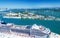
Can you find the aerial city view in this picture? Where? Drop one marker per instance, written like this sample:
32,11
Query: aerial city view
29,18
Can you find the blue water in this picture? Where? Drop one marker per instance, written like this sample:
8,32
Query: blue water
54,26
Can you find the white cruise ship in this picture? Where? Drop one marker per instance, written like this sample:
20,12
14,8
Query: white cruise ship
9,30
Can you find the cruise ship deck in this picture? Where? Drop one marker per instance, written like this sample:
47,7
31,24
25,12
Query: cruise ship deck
9,30
25,31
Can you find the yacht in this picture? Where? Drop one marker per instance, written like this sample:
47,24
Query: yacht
12,15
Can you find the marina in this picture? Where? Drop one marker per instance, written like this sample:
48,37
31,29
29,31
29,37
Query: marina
29,16
47,21
29,25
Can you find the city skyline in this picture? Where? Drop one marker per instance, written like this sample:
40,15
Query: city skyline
29,3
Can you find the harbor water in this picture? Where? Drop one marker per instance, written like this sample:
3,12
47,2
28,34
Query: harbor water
54,26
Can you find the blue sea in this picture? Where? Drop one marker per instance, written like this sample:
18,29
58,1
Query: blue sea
54,26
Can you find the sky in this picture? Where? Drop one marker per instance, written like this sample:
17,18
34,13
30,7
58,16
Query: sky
29,3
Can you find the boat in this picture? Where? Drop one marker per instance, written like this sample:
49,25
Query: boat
29,16
58,19
10,30
11,15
